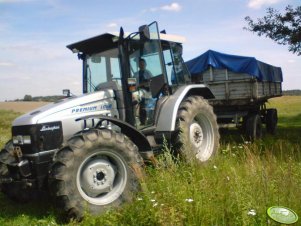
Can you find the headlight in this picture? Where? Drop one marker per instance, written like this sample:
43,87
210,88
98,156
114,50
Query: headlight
21,140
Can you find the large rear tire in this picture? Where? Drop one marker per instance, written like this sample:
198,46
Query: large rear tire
198,136
98,170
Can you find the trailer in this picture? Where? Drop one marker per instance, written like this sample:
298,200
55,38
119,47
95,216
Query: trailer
242,86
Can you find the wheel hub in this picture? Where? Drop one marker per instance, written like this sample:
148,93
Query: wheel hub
196,134
97,177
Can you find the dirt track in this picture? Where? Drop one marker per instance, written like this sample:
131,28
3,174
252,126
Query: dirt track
22,107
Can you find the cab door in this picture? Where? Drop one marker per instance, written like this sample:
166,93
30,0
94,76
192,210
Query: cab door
146,97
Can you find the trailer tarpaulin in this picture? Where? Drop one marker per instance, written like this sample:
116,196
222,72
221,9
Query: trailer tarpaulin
239,64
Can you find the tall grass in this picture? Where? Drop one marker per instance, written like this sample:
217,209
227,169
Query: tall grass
234,188
244,180
6,118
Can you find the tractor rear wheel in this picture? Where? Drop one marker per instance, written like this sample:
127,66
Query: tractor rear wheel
98,170
198,135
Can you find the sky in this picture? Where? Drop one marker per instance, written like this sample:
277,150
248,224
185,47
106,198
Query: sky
34,34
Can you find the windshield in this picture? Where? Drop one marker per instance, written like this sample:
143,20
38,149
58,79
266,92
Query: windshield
100,69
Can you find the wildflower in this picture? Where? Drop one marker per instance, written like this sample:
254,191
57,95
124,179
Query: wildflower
153,200
225,151
228,178
189,200
155,204
215,167
252,212
139,199
152,192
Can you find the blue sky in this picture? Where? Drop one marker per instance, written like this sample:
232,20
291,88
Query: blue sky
34,59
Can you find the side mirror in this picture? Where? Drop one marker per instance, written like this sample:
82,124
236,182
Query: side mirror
66,93
144,32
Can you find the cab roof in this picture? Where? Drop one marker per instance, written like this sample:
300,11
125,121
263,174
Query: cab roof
108,41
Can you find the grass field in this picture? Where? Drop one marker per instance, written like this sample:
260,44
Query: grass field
234,188
21,106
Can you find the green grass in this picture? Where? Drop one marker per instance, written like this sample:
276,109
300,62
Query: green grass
243,177
6,118
289,110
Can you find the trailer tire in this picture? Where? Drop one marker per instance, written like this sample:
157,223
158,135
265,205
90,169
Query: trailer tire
13,191
271,120
197,135
253,127
96,171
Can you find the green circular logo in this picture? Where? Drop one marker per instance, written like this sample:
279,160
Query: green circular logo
282,215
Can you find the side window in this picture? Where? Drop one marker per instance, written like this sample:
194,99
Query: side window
182,75
169,67
96,68
115,69
134,59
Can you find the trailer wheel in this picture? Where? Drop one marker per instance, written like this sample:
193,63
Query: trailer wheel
253,127
198,135
13,191
271,120
98,170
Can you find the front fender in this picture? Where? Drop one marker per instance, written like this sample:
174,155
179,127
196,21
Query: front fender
130,131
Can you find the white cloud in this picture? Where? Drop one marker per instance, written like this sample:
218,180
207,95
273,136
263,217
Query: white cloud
6,64
176,7
291,61
112,25
173,7
257,4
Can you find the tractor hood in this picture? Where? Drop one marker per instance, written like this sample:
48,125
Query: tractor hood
72,108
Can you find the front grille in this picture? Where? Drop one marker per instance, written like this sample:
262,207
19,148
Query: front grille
45,136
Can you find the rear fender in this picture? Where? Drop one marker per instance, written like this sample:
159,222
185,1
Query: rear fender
167,116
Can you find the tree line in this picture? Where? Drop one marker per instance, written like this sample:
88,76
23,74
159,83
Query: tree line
41,98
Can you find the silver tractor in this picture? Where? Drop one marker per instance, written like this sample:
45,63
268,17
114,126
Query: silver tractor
88,151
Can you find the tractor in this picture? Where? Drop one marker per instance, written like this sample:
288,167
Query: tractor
89,151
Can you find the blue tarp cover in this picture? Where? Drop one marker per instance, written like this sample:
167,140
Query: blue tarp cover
238,64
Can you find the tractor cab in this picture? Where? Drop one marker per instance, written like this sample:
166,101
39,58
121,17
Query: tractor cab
118,62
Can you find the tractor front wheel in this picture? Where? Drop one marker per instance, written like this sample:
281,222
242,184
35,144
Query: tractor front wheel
98,170
14,191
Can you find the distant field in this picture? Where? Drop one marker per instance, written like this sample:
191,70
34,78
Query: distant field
22,107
